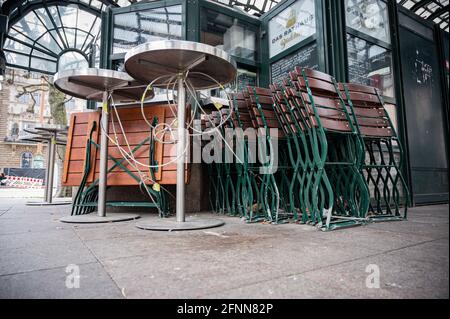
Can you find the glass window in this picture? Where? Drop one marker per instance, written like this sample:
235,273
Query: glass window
17,59
228,33
38,161
291,26
243,79
26,160
27,126
15,46
36,96
24,98
369,17
70,104
370,64
15,130
41,64
133,28
72,60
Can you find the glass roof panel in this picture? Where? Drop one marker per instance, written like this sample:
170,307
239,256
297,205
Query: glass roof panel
253,7
69,14
36,40
41,54
17,59
433,10
72,60
15,46
55,16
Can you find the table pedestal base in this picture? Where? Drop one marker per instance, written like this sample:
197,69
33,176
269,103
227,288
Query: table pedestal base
170,224
93,218
53,203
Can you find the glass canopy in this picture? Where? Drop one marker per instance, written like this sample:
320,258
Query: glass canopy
47,36
432,10
253,7
50,35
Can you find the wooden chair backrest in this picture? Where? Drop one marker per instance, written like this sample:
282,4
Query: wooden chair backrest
368,109
325,97
241,115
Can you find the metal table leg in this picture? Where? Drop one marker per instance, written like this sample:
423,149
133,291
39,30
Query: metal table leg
181,145
102,184
51,167
47,171
181,223
103,181
49,174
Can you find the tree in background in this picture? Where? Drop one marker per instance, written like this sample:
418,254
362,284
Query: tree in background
57,101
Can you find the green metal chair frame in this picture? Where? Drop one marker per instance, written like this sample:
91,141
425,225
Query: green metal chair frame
337,192
275,185
294,127
248,197
383,171
85,200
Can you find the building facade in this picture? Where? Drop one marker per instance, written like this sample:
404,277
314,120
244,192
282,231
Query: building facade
20,111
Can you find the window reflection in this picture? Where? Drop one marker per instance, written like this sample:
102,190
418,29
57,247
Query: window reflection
228,33
369,17
133,28
370,64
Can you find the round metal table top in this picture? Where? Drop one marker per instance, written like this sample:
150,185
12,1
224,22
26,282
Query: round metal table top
91,83
150,60
41,139
48,128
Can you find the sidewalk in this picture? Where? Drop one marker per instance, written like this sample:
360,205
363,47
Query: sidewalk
12,192
234,261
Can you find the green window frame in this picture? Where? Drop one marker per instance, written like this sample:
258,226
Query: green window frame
368,42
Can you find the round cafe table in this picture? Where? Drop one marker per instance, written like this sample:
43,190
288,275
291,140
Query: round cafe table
97,85
52,135
201,66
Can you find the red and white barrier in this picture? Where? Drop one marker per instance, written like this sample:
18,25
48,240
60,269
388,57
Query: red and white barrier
24,182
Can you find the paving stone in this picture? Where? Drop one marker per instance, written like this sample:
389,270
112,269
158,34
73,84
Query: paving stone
51,283
237,260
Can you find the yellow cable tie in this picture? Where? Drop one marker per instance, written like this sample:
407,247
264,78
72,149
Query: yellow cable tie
156,187
218,105
105,107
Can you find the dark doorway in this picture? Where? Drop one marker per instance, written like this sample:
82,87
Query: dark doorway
424,109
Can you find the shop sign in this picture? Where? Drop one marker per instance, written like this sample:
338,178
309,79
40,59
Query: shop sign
291,26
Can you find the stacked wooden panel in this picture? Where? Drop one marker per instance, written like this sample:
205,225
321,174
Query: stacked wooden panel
136,131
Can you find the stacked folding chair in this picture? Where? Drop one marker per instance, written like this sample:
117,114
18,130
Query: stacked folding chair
334,193
248,183
320,153
216,186
381,166
273,162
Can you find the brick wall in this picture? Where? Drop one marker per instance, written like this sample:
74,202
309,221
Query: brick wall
10,152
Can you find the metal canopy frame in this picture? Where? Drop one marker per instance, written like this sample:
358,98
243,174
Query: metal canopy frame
431,10
29,46
253,7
